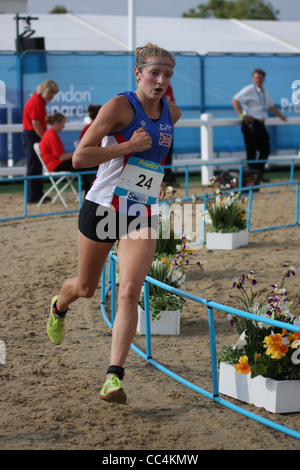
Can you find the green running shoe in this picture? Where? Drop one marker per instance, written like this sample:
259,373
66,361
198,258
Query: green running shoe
55,325
112,391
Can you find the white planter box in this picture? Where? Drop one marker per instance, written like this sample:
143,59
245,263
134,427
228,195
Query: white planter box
277,396
167,324
226,241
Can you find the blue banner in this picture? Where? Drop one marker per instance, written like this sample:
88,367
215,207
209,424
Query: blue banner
201,84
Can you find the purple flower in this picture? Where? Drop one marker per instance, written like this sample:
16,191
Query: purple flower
290,270
239,282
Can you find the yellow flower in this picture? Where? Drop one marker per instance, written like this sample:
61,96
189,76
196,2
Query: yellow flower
164,260
242,367
275,347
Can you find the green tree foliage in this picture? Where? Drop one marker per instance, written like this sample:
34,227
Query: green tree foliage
239,9
58,9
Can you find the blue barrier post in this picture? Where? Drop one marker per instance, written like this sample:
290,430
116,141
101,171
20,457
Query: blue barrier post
249,209
112,274
297,204
25,196
292,173
213,351
80,190
203,221
240,176
186,181
103,293
147,320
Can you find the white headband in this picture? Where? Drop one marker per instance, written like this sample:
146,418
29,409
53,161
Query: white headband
155,63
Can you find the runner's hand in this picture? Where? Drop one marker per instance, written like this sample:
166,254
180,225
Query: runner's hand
140,140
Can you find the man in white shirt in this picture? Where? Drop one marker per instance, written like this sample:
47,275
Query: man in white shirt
256,102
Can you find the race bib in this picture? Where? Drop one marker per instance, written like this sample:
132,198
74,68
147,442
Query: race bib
140,181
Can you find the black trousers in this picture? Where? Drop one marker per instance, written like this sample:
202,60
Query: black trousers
257,142
33,166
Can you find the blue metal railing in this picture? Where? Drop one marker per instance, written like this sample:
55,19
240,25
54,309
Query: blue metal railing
205,197
211,305
187,168
241,164
25,179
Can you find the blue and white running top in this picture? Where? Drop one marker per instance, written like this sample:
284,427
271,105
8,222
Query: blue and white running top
134,178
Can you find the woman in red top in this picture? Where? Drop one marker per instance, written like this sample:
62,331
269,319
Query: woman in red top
34,127
53,152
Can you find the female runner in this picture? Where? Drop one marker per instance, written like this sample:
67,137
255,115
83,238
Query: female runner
135,131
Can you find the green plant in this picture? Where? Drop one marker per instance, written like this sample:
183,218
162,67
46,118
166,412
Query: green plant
166,271
226,213
166,301
264,349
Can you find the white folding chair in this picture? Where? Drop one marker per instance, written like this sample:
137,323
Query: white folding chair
54,181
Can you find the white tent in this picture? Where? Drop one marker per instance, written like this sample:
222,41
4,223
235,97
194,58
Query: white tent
69,32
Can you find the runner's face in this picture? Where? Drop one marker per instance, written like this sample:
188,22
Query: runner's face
155,78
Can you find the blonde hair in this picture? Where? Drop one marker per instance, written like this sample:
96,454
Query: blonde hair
55,117
45,87
143,54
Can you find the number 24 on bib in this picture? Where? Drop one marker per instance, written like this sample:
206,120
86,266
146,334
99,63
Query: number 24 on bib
140,181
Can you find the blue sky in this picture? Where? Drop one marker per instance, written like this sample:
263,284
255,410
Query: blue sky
289,9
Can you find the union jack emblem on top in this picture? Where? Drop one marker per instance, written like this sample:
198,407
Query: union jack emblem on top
165,139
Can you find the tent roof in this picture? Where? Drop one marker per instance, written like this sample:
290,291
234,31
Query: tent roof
69,32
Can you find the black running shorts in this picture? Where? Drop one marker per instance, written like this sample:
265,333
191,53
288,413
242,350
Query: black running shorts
103,224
